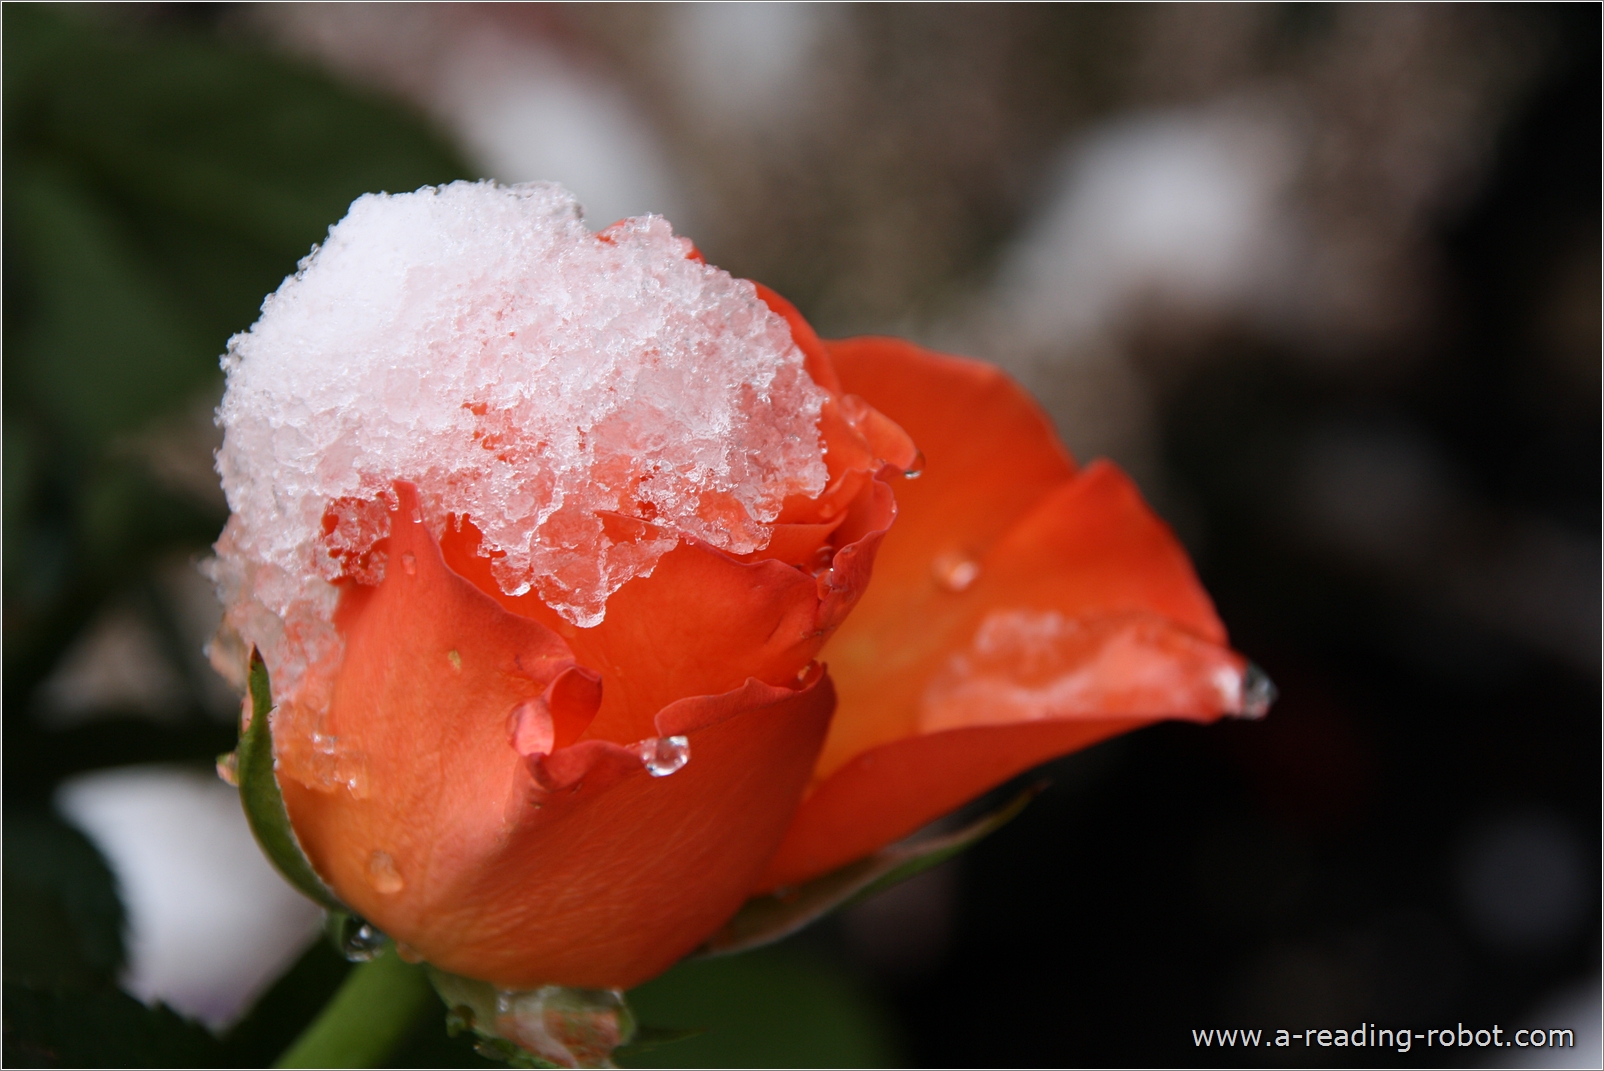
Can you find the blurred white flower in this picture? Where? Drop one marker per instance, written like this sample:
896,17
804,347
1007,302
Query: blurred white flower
210,924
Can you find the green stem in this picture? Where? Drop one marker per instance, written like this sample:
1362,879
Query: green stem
369,1014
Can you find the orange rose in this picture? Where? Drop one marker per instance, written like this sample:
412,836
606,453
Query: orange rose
524,801
516,821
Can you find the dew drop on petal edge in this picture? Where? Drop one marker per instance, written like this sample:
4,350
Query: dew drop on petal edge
917,469
1258,693
228,767
383,875
360,940
664,755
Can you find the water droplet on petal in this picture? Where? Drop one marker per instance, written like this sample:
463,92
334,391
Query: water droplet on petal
917,469
822,561
532,728
409,564
360,940
955,571
351,770
663,755
1258,693
383,875
853,408
228,767
455,658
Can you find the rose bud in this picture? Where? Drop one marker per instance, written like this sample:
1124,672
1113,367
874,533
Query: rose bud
539,532
546,538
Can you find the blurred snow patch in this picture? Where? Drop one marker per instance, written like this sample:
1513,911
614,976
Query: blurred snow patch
1575,1008
210,922
1184,206
528,114
745,63
1180,211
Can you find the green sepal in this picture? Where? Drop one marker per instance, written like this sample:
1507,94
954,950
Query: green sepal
264,803
765,919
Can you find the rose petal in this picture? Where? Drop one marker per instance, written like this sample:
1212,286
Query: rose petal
872,438
1026,665
990,452
890,791
703,622
1094,545
991,458
999,524
419,728
815,352
610,881
576,867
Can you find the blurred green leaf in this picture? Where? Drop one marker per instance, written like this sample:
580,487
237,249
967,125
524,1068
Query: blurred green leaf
779,1007
103,347
103,1028
156,188
647,1038
63,920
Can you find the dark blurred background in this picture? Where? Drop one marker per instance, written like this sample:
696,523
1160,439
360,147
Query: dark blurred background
1326,279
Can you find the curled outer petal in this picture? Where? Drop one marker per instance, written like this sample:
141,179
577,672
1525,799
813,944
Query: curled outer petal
611,875
701,624
493,858
1021,609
